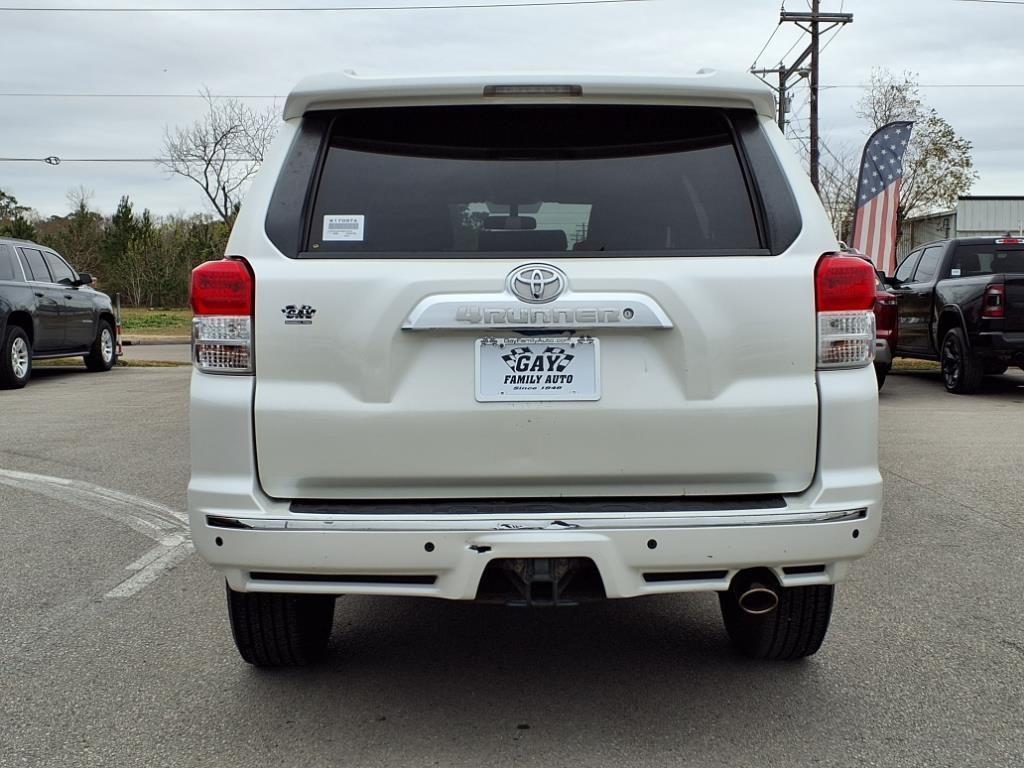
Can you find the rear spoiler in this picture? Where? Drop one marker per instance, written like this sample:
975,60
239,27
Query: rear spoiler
705,88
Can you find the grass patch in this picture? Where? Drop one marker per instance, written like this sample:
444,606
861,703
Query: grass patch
60,362
76,362
156,322
123,363
910,364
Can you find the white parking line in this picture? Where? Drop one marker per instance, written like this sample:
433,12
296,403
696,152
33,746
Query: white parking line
151,566
167,527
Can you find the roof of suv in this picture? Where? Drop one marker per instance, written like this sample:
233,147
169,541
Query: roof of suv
705,87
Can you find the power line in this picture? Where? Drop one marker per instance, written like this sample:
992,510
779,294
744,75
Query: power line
814,22
279,9
829,42
936,85
50,95
54,160
794,45
766,44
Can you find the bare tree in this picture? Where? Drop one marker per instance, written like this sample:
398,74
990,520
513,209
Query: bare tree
837,186
222,151
937,167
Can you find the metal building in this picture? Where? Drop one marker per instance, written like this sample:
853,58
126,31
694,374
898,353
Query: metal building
972,217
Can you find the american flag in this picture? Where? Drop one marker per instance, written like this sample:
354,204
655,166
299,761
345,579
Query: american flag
878,194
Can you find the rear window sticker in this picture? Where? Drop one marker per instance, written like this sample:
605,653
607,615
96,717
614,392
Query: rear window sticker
343,227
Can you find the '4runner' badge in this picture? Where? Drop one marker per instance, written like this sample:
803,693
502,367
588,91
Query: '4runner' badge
298,315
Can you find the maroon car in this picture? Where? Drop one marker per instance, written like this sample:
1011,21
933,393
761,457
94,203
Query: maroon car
887,328
887,320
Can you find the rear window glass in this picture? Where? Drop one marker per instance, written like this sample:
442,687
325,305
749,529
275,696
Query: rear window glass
36,266
8,271
970,260
500,179
929,263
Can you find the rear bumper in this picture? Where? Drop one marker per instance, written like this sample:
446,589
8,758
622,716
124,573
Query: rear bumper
449,563
883,352
260,544
1004,345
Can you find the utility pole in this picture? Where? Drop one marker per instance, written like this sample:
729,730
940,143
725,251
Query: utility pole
782,90
815,52
811,24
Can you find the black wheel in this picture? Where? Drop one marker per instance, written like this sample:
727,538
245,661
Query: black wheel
103,354
795,629
15,359
277,630
995,368
881,371
961,370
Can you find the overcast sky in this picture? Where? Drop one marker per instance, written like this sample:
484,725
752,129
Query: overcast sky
947,42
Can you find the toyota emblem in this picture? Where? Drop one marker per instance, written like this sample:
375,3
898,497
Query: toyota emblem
537,283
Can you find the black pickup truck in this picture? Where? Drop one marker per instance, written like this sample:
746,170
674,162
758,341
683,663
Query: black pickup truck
47,309
961,302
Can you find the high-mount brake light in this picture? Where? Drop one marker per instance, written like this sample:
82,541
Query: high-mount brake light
533,90
993,304
844,288
222,299
1009,241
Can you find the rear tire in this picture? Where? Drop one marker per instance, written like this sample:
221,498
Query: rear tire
280,630
103,353
15,358
962,372
794,630
881,371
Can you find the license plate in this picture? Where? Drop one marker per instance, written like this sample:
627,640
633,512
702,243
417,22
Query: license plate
550,368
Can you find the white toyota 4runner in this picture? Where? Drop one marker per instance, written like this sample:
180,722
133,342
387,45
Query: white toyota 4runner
537,341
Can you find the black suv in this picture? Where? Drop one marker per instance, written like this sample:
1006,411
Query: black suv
47,309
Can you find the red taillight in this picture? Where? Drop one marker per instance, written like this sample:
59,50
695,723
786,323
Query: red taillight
993,305
844,283
222,287
844,289
222,303
1009,241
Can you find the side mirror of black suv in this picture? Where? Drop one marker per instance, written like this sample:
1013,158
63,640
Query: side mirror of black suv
84,278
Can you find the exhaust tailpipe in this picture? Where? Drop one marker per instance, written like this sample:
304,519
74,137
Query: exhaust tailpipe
758,599
756,591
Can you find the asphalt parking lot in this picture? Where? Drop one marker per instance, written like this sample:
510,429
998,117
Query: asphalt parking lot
106,660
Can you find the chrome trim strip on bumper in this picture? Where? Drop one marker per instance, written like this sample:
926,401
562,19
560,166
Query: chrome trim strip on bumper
534,524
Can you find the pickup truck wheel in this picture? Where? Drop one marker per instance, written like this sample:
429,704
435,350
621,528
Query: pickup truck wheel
795,629
961,370
280,630
103,353
15,359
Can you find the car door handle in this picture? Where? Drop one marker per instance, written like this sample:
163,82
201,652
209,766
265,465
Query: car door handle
68,296
40,294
